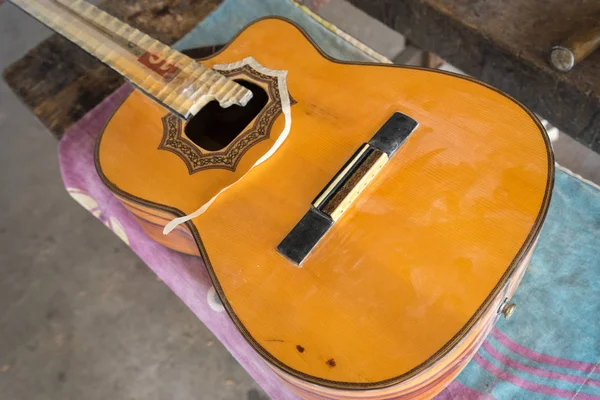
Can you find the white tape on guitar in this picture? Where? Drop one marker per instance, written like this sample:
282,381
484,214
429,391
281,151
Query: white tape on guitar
285,108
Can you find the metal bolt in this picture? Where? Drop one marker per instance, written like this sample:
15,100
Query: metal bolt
508,309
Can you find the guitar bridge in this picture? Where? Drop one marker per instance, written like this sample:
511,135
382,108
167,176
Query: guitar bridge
339,194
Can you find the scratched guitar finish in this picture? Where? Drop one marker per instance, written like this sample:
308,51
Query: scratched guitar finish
405,258
397,293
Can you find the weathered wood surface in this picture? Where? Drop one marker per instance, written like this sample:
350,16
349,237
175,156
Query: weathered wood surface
61,83
507,44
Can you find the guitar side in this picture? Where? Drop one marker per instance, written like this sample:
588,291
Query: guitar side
415,270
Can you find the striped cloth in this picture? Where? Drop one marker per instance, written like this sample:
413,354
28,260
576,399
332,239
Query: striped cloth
549,349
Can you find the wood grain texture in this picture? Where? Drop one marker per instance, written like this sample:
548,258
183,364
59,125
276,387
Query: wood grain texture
507,44
61,82
430,382
419,263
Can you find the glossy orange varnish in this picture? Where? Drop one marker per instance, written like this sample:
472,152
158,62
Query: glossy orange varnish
430,381
408,266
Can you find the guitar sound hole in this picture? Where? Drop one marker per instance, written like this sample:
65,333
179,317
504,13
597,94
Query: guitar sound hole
213,127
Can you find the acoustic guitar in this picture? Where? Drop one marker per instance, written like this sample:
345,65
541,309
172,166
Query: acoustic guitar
364,225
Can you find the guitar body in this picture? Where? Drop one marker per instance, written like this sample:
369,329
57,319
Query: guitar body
400,292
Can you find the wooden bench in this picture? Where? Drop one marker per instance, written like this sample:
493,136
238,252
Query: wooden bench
507,44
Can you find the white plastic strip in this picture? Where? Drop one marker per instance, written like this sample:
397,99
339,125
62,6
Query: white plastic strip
285,108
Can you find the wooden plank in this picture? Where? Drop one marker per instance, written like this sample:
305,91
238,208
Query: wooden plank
61,83
507,45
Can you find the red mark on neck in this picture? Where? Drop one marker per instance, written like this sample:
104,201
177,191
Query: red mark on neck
159,65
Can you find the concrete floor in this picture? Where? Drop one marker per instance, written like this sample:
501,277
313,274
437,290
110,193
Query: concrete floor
81,316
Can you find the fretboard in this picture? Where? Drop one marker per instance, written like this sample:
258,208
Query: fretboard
175,80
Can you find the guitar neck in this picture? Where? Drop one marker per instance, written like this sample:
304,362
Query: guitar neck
177,81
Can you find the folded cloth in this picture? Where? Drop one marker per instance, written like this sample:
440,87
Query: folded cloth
549,349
